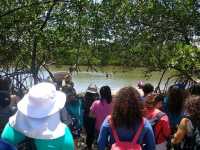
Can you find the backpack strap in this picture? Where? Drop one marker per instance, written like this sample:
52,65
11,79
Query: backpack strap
157,117
139,131
27,144
113,129
115,132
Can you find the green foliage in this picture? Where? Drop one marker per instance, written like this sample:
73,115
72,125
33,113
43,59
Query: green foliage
156,34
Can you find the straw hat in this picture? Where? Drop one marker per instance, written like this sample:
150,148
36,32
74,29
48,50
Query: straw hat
41,101
92,89
195,79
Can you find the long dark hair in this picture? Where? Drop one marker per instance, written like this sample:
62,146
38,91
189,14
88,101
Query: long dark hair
105,93
175,100
89,98
4,99
5,84
128,108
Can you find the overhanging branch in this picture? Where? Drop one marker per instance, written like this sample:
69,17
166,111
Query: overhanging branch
19,8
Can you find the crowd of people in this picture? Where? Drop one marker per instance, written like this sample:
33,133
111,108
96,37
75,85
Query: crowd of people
49,118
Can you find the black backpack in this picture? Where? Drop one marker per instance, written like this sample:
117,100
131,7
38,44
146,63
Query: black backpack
154,121
73,126
27,144
192,142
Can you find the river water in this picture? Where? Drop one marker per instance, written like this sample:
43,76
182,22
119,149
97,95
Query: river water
130,78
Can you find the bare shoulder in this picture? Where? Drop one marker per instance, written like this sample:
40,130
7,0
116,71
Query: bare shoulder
183,124
15,97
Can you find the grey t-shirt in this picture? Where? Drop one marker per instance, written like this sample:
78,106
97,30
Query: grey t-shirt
5,114
64,116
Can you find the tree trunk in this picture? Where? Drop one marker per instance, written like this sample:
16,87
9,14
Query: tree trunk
33,61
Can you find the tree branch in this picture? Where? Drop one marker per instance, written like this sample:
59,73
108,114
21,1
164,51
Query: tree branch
187,40
11,11
47,17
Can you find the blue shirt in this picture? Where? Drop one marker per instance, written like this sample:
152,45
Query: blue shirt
4,145
172,119
124,134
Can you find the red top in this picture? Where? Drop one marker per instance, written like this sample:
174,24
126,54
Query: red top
163,123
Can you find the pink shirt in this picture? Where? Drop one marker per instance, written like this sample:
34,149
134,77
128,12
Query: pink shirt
101,112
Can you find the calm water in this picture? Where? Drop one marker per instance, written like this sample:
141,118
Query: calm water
84,79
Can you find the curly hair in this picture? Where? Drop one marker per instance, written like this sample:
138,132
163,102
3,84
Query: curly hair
147,88
192,107
175,100
150,100
128,108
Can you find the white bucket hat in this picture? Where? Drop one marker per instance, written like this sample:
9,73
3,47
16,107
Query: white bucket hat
38,113
49,127
42,100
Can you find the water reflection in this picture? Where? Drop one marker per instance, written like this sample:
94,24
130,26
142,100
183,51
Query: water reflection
84,79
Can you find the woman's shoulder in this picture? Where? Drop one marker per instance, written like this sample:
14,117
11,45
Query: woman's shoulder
151,112
9,134
106,123
64,142
189,123
147,125
97,102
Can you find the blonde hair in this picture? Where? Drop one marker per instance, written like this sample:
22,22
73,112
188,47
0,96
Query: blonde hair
150,100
